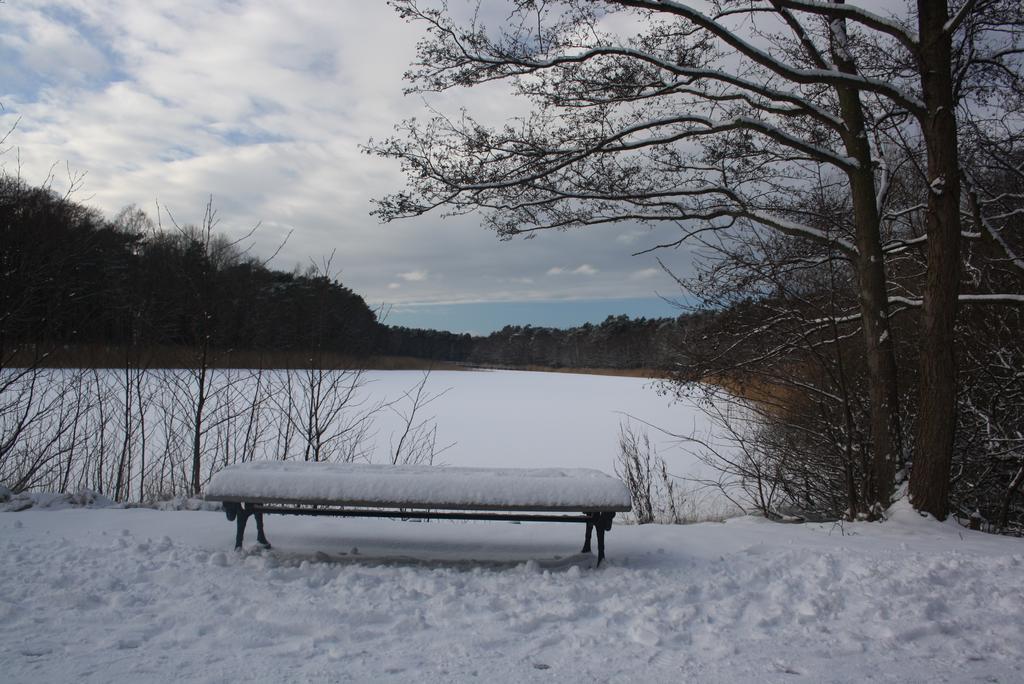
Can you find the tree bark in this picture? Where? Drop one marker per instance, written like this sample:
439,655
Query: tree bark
936,425
1004,506
199,415
883,387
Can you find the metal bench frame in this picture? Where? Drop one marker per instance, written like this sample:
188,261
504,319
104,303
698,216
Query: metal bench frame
594,520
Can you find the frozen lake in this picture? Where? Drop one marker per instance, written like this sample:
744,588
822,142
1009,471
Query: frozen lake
529,419
474,418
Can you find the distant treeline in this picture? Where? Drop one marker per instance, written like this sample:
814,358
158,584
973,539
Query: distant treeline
71,277
618,342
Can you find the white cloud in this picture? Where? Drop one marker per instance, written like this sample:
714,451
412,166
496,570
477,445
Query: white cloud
49,50
265,107
584,269
645,274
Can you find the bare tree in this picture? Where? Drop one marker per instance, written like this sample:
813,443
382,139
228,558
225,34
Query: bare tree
212,253
658,127
330,415
416,442
707,119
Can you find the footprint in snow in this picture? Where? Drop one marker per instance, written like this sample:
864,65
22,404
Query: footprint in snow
644,635
784,668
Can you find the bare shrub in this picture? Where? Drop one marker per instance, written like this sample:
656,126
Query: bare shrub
416,442
657,495
634,468
323,415
131,433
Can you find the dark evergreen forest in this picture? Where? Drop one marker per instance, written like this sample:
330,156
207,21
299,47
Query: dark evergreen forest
72,278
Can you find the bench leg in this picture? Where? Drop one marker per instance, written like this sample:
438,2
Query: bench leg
586,542
603,523
260,537
240,520
243,512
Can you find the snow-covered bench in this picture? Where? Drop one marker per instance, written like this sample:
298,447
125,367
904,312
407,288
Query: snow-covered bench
420,492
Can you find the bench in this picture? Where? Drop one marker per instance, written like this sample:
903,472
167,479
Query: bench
257,488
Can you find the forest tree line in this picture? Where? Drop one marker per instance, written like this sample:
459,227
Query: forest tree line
618,342
71,277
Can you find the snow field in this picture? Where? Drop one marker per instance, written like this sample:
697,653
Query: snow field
104,594
99,595
522,419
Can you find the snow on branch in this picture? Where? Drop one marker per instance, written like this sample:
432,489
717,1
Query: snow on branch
728,35
525,66
875,22
1007,298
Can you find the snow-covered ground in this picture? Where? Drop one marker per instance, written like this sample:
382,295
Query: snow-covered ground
137,595
140,595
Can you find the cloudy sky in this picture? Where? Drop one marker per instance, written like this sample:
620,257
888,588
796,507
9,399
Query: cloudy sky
264,106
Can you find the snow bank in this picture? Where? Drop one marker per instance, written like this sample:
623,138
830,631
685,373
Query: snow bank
184,503
360,484
14,503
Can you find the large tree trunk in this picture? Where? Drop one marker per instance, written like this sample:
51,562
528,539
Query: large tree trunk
933,453
883,388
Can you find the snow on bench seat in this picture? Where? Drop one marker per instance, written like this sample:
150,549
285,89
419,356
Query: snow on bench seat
404,486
